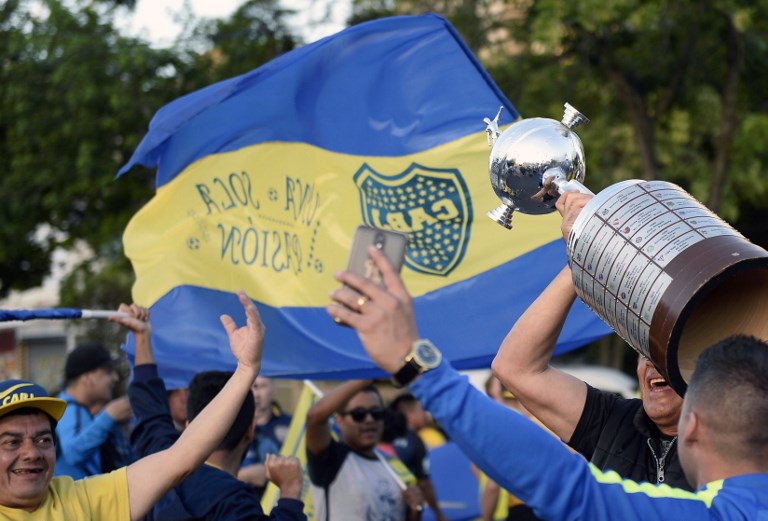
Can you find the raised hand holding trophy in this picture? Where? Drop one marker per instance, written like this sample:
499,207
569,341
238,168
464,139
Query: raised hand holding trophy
667,274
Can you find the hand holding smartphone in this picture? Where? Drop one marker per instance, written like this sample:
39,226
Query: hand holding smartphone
392,244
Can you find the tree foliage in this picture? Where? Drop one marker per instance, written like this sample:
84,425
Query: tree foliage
674,88
76,98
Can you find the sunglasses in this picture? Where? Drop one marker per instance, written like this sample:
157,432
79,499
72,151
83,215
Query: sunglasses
358,414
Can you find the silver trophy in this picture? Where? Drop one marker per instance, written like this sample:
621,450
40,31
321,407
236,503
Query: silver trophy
534,161
667,274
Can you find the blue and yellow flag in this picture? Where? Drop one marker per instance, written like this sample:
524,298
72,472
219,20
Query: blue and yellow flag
263,178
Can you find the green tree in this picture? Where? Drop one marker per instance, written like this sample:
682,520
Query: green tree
76,99
255,33
671,88
674,88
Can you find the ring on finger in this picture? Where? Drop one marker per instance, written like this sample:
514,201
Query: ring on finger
361,302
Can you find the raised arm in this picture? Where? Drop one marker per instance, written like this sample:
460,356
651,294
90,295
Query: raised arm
318,430
151,477
522,363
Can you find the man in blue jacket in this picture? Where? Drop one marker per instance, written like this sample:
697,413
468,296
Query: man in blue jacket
90,433
722,439
213,491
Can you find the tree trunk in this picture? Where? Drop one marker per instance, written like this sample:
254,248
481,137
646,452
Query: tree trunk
642,124
735,59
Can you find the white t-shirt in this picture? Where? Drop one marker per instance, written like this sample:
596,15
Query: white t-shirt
360,488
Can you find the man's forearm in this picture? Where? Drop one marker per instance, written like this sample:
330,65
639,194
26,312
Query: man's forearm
430,497
143,349
522,364
207,430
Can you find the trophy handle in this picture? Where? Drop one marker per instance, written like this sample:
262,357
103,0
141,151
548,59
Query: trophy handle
572,185
555,178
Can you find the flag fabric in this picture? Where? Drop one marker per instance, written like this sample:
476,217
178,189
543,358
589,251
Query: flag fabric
263,178
455,483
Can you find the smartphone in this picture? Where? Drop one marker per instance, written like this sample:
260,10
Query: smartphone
392,244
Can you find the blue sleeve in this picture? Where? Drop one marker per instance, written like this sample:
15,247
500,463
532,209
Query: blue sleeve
288,510
81,446
242,506
154,430
537,467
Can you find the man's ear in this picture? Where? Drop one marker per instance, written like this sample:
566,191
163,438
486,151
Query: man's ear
692,432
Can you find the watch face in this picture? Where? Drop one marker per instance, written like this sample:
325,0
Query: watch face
427,354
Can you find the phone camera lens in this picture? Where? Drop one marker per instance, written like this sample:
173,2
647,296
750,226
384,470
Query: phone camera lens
378,241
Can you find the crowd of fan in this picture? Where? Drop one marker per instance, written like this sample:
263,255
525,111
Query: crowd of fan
560,448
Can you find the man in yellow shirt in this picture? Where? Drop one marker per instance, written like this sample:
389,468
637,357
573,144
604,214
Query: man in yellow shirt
28,418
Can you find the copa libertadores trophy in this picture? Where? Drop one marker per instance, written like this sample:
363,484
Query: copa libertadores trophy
667,274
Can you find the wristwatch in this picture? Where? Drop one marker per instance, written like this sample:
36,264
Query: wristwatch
423,357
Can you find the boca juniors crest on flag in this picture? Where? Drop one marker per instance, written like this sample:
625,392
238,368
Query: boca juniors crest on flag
431,205
263,178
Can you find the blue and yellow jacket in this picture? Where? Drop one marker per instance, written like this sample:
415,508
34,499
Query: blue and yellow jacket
560,485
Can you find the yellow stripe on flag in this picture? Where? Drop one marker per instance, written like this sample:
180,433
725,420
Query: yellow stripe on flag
251,219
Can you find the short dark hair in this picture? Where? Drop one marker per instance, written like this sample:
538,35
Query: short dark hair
731,381
395,425
370,388
403,401
85,358
203,388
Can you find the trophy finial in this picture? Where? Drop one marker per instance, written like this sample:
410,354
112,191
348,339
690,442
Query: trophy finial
572,118
492,128
503,215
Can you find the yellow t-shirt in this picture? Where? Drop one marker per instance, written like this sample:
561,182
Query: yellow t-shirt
101,497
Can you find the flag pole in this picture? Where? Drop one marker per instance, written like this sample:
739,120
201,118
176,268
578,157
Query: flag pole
8,315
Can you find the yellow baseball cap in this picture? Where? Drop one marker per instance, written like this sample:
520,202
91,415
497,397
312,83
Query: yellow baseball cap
19,394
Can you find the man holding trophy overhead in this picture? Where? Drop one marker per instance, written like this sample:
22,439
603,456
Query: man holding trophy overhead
641,256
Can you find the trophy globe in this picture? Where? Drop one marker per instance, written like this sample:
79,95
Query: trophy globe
533,161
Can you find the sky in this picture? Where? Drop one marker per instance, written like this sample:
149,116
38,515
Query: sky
154,19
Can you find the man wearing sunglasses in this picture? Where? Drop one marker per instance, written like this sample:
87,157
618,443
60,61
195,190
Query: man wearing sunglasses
348,480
